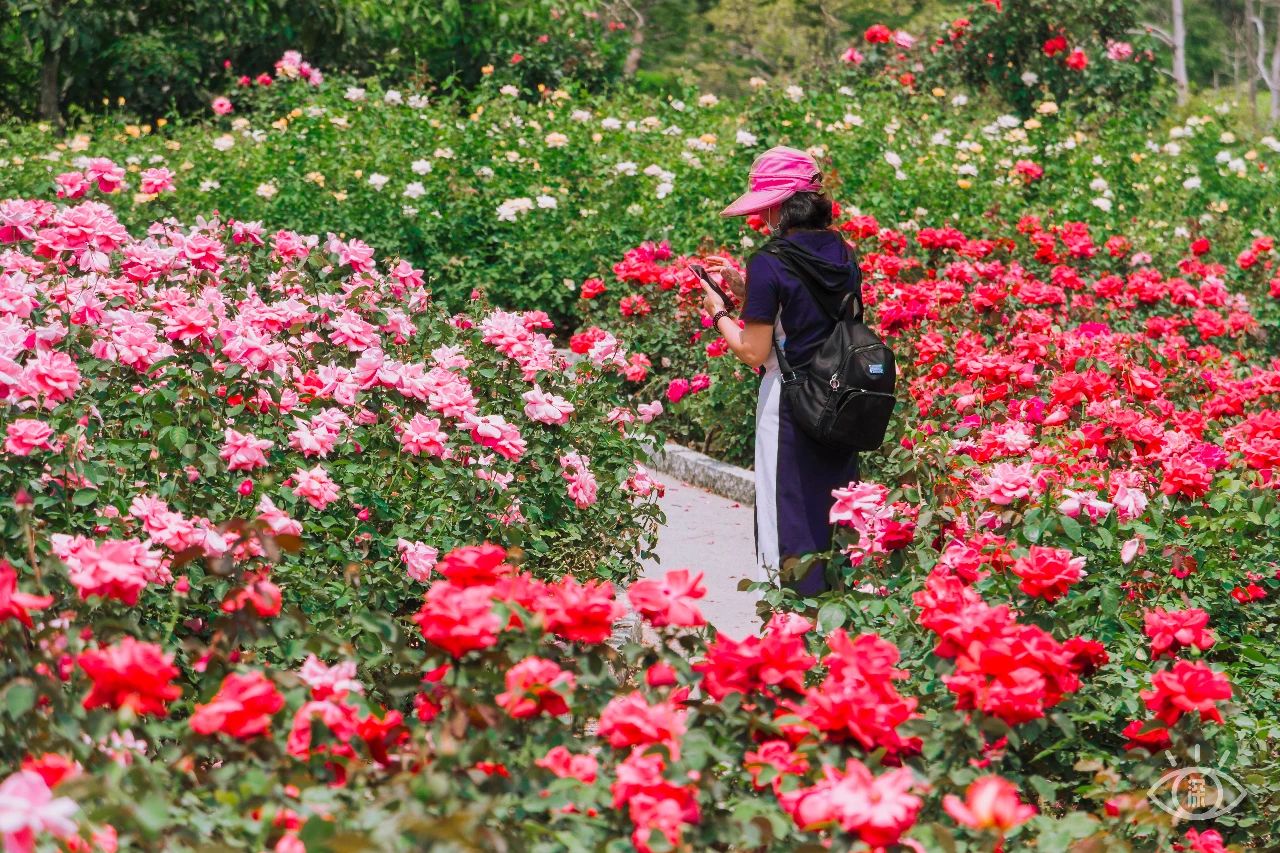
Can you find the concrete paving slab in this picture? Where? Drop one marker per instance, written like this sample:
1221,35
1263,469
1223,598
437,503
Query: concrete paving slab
714,535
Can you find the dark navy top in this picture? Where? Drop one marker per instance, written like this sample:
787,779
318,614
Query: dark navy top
770,286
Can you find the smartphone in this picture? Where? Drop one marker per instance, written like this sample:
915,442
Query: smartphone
701,273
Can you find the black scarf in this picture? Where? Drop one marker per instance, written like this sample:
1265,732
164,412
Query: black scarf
828,282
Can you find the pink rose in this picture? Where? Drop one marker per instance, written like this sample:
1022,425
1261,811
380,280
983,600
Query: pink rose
24,437
156,180
244,451
315,486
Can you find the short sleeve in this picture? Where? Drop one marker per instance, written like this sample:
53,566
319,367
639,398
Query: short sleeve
762,289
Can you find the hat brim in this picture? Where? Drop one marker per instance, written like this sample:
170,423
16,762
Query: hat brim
755,201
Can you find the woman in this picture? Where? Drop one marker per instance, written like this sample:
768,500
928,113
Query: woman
794,475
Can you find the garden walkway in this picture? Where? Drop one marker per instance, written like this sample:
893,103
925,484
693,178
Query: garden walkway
707,533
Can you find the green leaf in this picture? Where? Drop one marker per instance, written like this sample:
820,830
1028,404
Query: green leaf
19,698
84,497
1047,791
831,616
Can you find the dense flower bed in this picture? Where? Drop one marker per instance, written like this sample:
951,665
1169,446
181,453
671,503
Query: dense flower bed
1081,483
1064,584
184,409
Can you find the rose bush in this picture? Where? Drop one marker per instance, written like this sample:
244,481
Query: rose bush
1081,480
181,406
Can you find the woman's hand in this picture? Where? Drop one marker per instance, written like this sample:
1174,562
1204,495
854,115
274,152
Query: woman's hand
729,275
711,301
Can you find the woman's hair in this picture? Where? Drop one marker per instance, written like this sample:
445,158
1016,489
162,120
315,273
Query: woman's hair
805,210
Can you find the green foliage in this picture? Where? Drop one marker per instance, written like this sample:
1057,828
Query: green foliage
1002,47
165,55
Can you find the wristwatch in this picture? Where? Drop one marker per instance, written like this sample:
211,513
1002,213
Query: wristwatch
715,320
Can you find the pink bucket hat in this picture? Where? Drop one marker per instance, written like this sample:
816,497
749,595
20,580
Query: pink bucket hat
776,175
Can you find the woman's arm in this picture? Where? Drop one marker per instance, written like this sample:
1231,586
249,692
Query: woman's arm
750,344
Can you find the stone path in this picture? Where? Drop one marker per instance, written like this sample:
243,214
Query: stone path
708,533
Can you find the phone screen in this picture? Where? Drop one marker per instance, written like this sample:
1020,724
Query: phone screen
701,273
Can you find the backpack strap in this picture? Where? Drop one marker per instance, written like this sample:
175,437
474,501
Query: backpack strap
789,373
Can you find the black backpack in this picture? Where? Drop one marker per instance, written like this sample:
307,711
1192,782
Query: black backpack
843,397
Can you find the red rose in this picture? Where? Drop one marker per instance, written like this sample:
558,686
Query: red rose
536,686
878,34
1048,572
242,707
458,619
474,565
132,675
1055,45
1187,687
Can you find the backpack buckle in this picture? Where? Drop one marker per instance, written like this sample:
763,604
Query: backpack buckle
790,378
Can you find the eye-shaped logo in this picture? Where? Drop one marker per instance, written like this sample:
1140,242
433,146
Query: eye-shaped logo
1196,793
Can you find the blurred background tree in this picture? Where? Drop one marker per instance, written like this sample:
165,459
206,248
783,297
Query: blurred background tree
170,55
161,56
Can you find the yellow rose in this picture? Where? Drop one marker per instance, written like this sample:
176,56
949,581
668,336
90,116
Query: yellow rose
939,92
964,183
486,70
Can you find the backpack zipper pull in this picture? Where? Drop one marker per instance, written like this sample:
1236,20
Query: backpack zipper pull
835,382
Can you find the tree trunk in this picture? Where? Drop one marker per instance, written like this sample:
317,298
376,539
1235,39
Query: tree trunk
1235,65
1180,53
51,84
1274,113
632,64
1252,48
